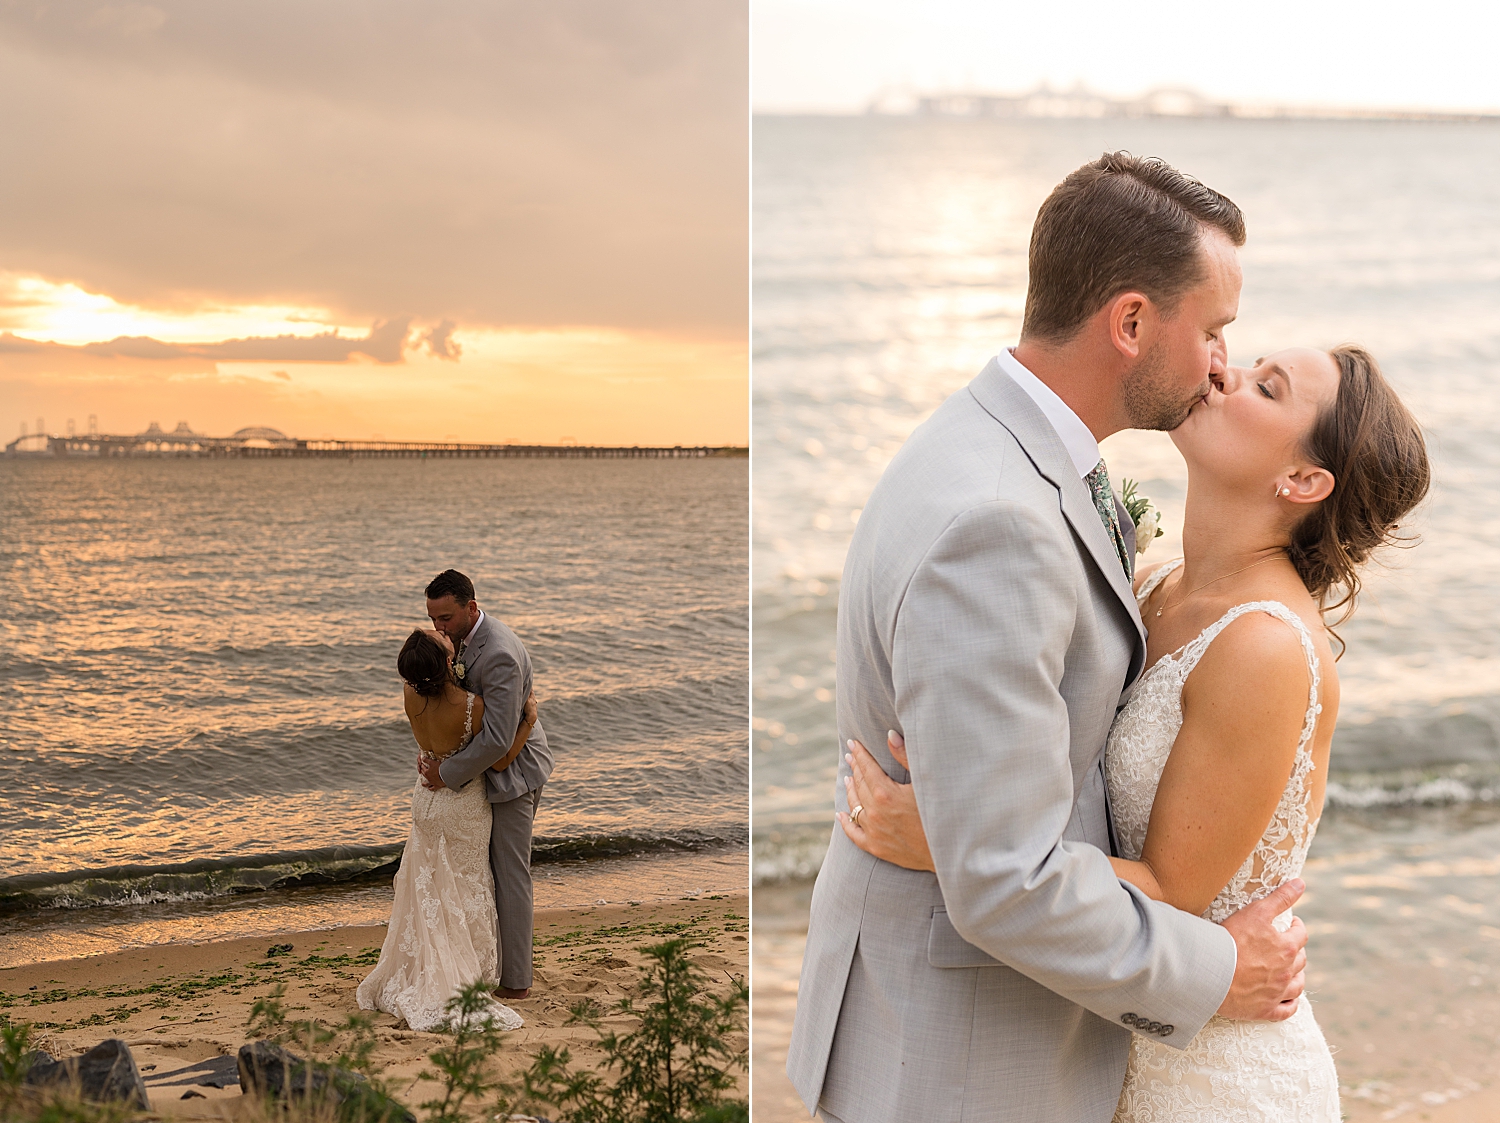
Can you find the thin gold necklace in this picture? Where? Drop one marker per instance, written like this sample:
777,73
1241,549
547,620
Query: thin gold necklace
1206,584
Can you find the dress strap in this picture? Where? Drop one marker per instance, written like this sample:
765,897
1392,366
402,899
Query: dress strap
468,715
1193,652
1149,585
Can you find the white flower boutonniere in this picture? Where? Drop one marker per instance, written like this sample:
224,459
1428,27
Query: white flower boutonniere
1143,513
458,671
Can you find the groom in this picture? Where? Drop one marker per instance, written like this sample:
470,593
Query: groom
986,614
490,661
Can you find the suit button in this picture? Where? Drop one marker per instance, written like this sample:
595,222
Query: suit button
1153,1027
1129,1019
1168,1030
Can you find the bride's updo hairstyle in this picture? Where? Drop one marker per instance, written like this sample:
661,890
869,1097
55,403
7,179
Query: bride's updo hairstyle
1374,448
423,663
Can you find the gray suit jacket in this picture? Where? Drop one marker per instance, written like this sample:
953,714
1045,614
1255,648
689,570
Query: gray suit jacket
984,614
497,668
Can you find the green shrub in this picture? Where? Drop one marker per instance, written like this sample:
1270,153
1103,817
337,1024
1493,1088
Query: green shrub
673,1068
460,1064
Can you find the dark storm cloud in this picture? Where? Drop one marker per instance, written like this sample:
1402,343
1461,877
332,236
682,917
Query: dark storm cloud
567,162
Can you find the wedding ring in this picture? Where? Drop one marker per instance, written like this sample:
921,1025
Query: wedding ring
854,815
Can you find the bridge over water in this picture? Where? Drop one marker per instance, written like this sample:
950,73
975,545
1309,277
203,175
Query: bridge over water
268,443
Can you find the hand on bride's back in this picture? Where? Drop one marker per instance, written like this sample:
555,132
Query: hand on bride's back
1270,971
889,825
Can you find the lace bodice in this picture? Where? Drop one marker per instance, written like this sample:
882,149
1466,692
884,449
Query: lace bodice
1142,738
468,721
1231,1072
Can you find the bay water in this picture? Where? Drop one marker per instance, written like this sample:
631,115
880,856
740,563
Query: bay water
890,264
202,730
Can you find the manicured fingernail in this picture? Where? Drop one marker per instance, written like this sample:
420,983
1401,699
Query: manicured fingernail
849,744
848,758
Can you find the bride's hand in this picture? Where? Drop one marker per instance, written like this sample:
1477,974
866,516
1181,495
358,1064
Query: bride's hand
889,826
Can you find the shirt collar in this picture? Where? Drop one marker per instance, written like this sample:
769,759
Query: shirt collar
477,625
1083,450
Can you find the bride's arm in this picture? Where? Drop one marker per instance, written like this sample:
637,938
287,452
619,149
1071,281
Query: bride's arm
1243,708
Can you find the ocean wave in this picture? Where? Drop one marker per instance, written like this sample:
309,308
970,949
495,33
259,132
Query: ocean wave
795,853
206,878
1402,792
196,880
783,856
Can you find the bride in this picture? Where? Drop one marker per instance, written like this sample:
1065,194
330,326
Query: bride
1298,469
443,933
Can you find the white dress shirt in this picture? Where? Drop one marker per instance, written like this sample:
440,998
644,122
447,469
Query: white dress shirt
458,656
1083,450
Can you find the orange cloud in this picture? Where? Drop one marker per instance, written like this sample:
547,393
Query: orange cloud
596,386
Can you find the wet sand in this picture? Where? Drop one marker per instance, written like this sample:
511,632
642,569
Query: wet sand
1413,1040
178,1005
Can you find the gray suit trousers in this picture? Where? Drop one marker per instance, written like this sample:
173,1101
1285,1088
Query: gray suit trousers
510,862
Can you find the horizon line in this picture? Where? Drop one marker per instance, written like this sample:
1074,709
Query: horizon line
1044,101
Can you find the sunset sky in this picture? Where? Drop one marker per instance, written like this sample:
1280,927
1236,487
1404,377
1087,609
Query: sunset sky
478,220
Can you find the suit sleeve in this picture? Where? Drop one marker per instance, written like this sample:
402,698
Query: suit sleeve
977,662
503,688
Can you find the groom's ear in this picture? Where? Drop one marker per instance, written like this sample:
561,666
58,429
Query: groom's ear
1127,319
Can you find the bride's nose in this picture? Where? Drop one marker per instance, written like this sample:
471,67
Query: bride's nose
1232,379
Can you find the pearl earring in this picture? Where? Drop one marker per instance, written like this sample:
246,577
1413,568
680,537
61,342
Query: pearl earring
1284,491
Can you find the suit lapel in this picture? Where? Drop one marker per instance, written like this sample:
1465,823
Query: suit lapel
472,647
1013,408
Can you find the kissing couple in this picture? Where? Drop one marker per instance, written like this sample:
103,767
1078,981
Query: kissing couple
1061,883
463,907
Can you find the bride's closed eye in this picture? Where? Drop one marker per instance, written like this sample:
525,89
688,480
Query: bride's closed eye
1265,389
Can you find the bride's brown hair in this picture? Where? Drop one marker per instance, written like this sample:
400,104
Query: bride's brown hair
423,663
1374,448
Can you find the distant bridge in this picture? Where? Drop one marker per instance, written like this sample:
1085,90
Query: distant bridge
184,443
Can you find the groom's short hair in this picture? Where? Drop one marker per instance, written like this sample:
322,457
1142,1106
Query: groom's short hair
1120,223
451,583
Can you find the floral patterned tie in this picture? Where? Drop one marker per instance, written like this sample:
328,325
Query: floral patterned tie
1104,503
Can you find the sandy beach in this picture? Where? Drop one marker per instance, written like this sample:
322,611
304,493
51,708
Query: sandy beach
178,1005
1418,1043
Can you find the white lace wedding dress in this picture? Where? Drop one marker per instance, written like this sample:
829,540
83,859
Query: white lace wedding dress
443,931
1232,1072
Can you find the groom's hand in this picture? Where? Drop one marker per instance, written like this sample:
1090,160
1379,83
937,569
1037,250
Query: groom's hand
1269,975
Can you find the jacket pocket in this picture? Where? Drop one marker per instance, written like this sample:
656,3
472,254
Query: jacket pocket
946,948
